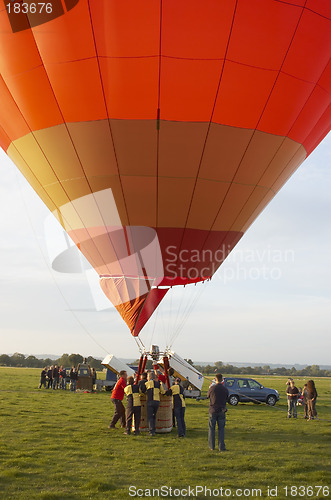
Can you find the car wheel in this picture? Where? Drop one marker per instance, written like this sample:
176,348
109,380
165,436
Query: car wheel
271,400
233,400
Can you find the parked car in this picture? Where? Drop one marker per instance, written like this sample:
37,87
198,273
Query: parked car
247,390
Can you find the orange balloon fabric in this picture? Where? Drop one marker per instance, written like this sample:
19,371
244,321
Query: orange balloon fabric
156,131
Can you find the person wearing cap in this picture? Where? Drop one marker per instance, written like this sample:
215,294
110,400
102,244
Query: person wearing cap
153,389
133,407
178,401
117,397
218,395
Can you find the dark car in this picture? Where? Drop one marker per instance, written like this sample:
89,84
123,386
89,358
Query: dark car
247,390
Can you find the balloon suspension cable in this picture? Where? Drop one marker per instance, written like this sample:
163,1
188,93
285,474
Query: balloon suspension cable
140,345
186,311
37,239
155,321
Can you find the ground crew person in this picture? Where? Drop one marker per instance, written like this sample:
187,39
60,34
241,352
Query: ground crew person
117,397
153,390
177,393
133,407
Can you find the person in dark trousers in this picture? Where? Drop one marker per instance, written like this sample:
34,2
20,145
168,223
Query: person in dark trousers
218,395
50,377
177,392
63,378
292,393
305,401
43,376
94,377
171,377
73,375
117,397
55,377
311,400
133,407
153,389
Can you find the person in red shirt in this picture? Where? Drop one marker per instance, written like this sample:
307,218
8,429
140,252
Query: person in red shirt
117,397
158,374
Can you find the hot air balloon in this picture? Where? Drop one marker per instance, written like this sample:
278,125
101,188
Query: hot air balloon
156,131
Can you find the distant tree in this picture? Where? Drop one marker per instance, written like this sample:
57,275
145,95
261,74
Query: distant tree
95,363
75,359
64,360
18,359
219,365
281,371
149,364
315,370
5,360
305,371
47,362
266,368
230,369
246,370
33,362
257,370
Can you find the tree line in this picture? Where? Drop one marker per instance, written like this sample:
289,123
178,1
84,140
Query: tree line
308,371
66,360
20,360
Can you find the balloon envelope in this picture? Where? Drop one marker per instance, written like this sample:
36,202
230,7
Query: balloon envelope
157,131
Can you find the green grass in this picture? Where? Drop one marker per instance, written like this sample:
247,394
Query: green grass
56,445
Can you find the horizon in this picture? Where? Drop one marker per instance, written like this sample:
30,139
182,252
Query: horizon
195,362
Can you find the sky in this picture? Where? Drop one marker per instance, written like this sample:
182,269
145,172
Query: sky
270,302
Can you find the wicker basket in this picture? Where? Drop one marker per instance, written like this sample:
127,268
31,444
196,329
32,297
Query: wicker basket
163,416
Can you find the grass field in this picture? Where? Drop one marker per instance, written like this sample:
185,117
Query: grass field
56,445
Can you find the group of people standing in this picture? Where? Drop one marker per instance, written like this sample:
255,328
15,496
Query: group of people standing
306,397
151,384
55,377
